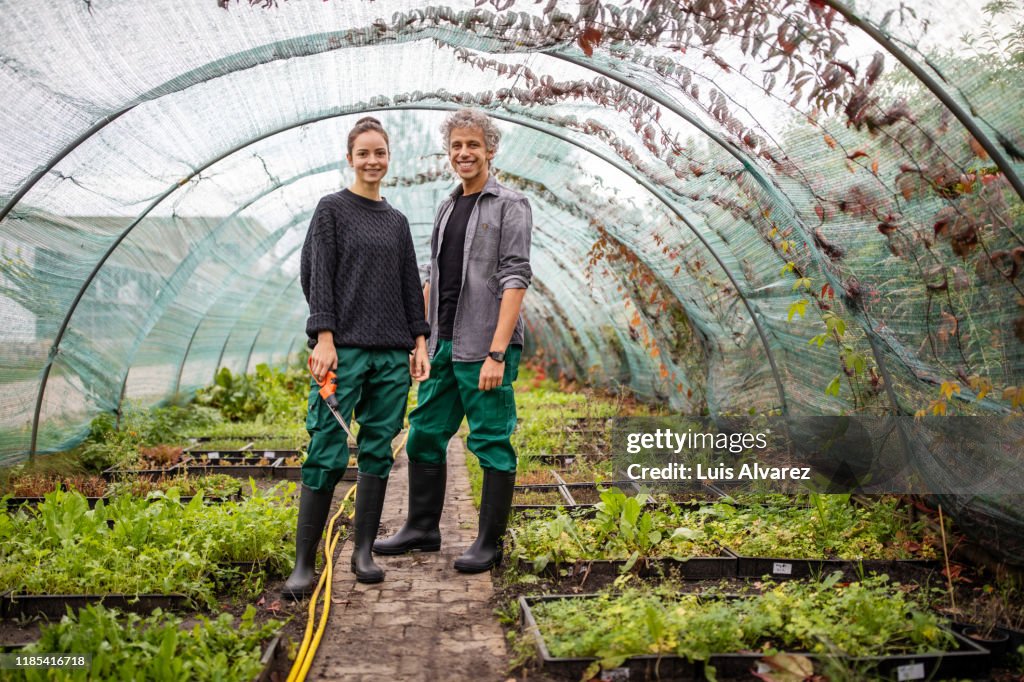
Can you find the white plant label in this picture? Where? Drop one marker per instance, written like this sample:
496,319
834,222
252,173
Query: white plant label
912,671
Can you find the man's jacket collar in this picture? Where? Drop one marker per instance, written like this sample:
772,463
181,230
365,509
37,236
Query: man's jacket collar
491,187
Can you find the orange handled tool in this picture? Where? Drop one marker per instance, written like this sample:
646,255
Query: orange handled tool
328,385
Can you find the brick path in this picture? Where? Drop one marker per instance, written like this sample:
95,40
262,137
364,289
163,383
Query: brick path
426,621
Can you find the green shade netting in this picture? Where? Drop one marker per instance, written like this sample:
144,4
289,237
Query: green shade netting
772,206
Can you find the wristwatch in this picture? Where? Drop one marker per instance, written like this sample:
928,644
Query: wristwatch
497,356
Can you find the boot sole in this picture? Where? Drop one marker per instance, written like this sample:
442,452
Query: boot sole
406,550
296,596
369,581
476,568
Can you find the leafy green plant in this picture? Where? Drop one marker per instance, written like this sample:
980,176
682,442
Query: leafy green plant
623,529
210,485
237,396
830,528
133,546
127,646
867,618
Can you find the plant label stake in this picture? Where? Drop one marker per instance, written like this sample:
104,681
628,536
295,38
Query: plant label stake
328,385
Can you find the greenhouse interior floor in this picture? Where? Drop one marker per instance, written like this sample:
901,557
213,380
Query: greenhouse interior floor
425,621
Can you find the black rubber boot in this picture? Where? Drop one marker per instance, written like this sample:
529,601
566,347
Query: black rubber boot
495,505
314,507
421,530
369,502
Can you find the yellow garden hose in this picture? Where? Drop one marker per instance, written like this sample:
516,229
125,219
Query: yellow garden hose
311,641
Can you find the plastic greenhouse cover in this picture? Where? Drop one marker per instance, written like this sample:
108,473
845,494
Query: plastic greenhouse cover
769,206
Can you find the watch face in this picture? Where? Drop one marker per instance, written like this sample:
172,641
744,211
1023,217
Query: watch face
497,356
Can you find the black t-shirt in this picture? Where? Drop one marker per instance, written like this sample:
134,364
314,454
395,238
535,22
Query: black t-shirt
449,263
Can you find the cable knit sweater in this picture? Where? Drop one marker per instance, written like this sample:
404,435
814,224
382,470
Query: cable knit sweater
359,275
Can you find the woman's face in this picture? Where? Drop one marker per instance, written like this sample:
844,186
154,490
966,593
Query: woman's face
369,157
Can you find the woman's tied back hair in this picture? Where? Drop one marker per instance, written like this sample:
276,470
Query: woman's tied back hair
472,118
366,123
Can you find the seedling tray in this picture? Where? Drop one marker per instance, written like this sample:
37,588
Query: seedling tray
551,489
694,568
560,460
13,503
54,606
587,494
268,453
294,473
243,568
783,568
113,474
239,466
212,500
967,661
267,660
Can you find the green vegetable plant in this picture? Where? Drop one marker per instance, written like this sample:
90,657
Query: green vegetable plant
210,486
133,546
237,396
867,618
830,528
126,646
623,529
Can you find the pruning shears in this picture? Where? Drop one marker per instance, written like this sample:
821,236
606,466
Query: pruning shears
328,385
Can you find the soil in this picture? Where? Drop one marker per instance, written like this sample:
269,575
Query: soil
535,477
538,497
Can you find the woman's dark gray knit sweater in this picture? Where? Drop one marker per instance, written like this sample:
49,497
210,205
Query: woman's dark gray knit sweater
359,275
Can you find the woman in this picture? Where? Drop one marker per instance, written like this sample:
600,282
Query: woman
366,314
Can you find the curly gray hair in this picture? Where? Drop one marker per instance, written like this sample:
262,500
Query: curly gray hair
471,118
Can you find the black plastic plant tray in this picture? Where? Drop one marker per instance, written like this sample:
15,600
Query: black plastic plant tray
781,568
267,660
539,488
288,473
245,566
230,456
259,453
250,567
54,606
237,467
560,460
219,499
294,473
117,474
967,661
1003,651
694,568
633,668
13,503
628,488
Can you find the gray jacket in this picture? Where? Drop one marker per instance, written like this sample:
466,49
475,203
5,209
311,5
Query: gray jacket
496,257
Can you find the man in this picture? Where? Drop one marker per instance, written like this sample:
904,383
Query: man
478,274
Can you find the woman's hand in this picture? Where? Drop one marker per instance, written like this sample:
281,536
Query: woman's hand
324,356
419,362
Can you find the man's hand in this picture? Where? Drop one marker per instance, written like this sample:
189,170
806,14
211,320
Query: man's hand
419,364
491,374
323,358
